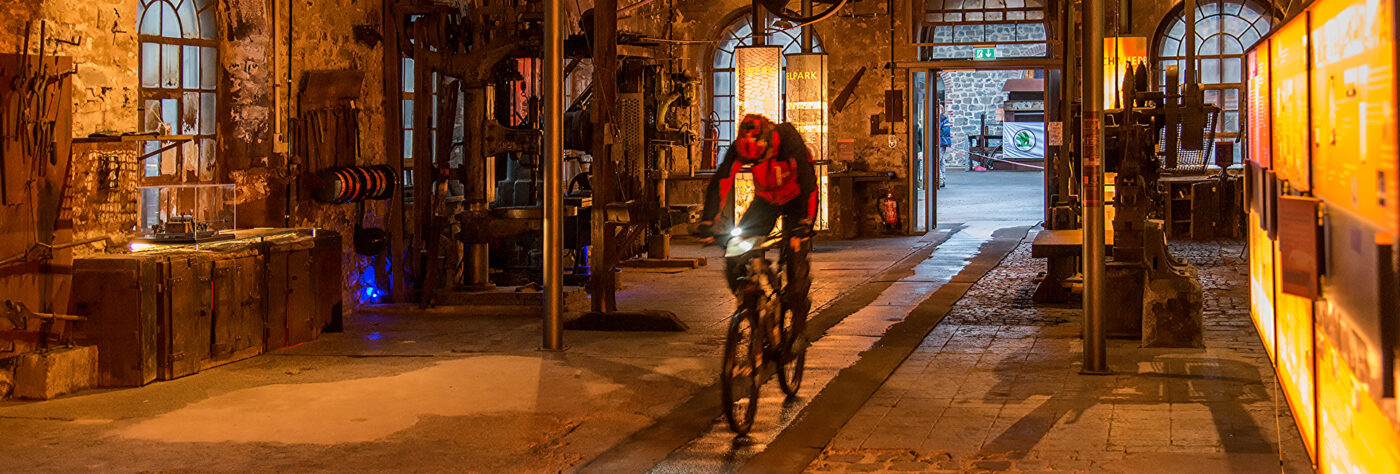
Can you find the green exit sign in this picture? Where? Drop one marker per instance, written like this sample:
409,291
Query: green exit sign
984,52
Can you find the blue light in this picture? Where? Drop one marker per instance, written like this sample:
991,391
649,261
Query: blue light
374,336
369,292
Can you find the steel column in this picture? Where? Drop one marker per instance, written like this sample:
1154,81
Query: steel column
553,176
1092,151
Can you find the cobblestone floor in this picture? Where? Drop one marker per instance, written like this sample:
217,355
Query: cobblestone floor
995,388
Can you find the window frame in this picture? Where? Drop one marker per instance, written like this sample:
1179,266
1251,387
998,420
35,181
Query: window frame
735,33
203,43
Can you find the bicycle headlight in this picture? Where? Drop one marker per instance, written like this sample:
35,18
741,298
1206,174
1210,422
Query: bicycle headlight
746,245
736,232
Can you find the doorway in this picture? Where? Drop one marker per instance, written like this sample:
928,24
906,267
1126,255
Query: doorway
978,145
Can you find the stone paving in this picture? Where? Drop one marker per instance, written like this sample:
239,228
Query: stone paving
995,388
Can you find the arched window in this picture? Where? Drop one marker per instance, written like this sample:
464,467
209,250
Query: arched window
723,86
179,81
1224,28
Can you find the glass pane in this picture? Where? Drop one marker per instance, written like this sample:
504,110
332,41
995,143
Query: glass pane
1232,99
724,83
408,143
1233,71
1210,45
169,22
1213,97
170,66
150,21
151,166
189,114
1170,47
408,114
208,28
724,108
1178,29
208,67
724,59
1232,122
190,67
207,164
1210,71
170,114
207,113
150,121
407,75
188,23
150,65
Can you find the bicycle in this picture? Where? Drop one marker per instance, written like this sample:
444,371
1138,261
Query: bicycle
765,331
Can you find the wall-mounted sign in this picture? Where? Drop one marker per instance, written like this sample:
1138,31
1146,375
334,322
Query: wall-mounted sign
984,52
1055,133
1298,245
807,100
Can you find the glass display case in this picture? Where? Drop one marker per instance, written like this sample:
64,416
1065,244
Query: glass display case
185,213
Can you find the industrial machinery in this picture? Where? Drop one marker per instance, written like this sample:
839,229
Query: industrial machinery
1155,295
474,190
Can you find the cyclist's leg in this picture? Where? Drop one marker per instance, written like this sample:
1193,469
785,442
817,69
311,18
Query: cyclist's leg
758,219
799,276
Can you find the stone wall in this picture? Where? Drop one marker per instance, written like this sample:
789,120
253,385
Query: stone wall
969,95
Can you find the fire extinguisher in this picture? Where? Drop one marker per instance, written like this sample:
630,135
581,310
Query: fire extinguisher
889,209
709,150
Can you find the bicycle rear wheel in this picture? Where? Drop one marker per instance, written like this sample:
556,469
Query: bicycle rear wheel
738,376
792,353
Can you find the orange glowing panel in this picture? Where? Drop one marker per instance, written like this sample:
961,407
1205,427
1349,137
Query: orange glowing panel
1261,283
1118,53
1295,359
757,81
807,100
1289,64
1353,110
1357,434
1257,85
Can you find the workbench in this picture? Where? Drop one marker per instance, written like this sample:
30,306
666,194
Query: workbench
1061,249
166,311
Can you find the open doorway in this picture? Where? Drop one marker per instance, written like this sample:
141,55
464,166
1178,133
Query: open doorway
980,145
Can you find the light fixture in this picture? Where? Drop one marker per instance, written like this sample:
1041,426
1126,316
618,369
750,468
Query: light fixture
757,86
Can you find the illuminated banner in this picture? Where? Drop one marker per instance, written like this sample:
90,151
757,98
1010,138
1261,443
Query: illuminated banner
1118,53
807,99
1023,140
756,77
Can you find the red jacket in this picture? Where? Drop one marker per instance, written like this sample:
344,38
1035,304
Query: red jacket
785,177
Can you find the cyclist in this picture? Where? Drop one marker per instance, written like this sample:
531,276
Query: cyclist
785,184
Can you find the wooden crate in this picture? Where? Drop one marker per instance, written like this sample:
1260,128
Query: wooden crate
119,296
237,325
187,318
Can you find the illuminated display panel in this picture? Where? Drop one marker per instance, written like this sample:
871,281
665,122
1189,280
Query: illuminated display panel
1353,109
1257,85
807,100
757,76
1289,66
1261,283
1118,53
1357,434
1295,358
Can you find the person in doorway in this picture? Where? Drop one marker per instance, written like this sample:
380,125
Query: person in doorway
945,140
785,185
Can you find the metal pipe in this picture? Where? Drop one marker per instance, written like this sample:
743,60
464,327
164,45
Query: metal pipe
1091,151
806,29
553,176
933,148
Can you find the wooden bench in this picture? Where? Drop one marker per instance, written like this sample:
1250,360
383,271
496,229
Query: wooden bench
1062,249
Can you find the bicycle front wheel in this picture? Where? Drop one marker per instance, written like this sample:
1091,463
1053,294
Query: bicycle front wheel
738,376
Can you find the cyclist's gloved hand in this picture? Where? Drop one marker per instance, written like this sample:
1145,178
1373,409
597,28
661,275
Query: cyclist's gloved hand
705,230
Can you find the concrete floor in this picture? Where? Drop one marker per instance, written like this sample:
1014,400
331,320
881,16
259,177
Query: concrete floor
891,384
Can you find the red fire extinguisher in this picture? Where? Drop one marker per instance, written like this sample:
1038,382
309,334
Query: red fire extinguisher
889,209
709,148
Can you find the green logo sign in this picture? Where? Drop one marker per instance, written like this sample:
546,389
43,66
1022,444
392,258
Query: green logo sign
988,52
1024,140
